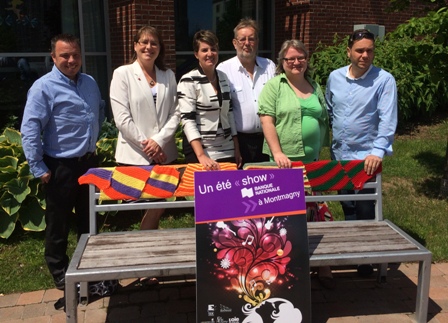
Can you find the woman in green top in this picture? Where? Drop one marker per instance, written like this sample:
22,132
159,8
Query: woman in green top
294,117
292,109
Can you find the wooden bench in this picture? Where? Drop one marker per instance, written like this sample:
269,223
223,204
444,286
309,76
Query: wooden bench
172,252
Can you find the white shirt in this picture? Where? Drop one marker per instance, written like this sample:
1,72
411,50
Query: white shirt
244,91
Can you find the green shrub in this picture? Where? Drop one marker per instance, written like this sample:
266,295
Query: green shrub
107,143
21,197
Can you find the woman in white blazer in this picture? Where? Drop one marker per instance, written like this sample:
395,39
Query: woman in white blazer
143,97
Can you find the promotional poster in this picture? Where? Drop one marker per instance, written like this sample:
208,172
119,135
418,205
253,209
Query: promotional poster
252,247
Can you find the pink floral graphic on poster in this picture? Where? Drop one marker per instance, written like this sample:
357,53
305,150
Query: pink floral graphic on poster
252,255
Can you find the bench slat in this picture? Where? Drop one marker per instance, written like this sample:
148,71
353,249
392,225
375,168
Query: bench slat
137,250
178,246
133,261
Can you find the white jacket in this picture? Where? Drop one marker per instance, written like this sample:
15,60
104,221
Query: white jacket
136,116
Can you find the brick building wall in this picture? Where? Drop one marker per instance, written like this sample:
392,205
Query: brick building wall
314,21
311,21
127,16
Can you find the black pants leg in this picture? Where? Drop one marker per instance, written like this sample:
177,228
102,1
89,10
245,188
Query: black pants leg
251,148
63,195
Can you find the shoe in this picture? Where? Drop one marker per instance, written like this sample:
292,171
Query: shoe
365,270
60,283
60,303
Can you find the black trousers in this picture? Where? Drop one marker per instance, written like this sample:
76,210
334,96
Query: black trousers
251,147
63,195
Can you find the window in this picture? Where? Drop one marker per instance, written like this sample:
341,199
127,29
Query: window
221,16
26,29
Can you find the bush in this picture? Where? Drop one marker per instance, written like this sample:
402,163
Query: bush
21,197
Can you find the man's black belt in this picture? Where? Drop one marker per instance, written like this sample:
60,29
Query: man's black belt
253,134
86,156
83,158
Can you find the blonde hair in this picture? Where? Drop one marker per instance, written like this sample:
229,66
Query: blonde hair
287,44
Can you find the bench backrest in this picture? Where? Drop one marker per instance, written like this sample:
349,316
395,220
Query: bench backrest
139,205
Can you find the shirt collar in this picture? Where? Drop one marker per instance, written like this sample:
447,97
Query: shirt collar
358,78
241,67
65,78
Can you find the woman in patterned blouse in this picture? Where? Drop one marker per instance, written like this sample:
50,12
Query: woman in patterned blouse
209,132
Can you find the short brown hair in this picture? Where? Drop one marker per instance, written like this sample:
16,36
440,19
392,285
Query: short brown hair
358,35
66,38
204,36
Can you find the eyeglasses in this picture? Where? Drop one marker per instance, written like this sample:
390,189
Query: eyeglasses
147,42
360,35
242,41
292,60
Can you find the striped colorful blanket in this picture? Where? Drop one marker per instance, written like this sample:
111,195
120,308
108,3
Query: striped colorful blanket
186,185
136,182
133,182
143,182
328,175
273,165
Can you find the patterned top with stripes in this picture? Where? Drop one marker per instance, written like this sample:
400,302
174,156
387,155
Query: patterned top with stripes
207,115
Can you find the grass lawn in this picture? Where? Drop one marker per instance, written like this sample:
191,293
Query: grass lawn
411,180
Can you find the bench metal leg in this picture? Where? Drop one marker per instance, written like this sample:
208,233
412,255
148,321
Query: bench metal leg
382,273
84,293
71,293
424,277
71,302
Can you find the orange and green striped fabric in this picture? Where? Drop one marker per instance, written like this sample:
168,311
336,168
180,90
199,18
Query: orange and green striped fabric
164,181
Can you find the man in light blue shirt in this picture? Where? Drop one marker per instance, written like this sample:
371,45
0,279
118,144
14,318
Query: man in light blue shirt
60,128
247,74
362,105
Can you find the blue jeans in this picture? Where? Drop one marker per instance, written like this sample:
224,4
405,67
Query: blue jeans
358,210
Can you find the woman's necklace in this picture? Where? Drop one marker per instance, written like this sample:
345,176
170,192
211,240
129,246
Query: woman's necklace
150,79
214,79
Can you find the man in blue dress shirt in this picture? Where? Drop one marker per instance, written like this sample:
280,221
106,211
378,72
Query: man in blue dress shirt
362,105
60,128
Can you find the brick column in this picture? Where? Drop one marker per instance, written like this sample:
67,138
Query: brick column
126,17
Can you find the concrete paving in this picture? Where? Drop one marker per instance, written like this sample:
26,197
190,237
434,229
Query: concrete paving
354,300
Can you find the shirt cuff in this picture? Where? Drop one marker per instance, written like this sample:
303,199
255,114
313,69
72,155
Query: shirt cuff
378,152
